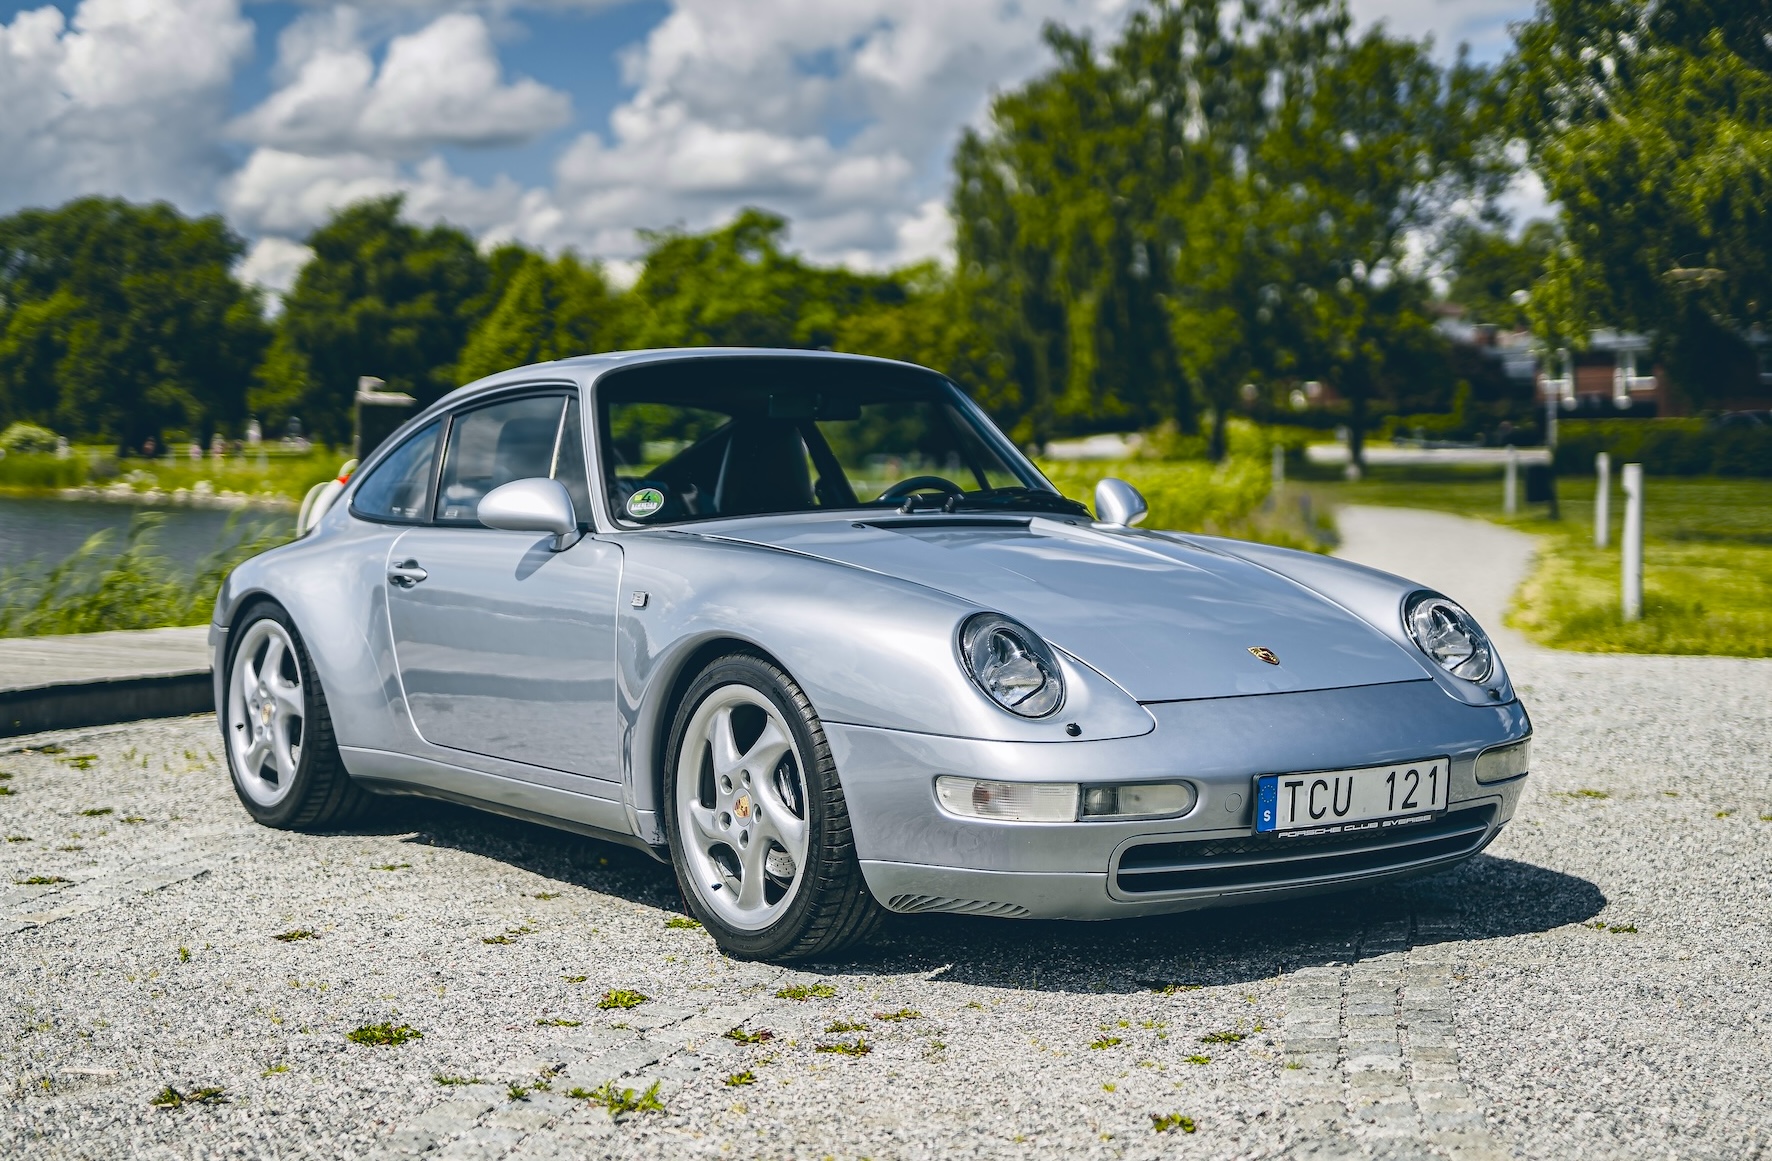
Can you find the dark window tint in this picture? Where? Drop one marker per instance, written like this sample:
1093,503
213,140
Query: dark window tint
399,488
490,446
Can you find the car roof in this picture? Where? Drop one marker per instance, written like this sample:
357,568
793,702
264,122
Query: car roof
584,369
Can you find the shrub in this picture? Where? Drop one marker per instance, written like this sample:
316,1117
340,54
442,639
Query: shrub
28,437
1666,447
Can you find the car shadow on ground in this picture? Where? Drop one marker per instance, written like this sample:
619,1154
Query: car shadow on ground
1486,898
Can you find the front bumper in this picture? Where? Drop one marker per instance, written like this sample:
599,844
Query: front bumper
918,858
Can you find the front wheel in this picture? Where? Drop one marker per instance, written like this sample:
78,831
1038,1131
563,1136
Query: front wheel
282,756
758,827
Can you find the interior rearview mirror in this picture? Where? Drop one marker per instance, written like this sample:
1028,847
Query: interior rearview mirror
1119,503
534,505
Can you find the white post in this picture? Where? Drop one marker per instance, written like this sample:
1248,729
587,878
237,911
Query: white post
1602,500
1510,488
1633,542
1279,467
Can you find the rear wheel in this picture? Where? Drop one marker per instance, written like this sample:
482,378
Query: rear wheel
282,756
758,827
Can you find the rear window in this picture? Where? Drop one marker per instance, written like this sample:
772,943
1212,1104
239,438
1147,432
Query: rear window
398,490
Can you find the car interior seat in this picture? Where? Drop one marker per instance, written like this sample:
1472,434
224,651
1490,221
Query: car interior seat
764,470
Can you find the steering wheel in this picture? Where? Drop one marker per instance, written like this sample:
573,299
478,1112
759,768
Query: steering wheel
904,488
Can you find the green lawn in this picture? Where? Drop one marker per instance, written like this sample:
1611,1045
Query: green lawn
1707,558
275,474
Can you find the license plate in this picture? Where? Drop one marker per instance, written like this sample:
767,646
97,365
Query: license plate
1336,801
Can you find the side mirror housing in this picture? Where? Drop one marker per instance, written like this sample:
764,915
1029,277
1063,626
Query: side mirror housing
535,505
1119,503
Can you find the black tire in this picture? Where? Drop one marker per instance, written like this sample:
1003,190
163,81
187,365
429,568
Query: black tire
833,908
321,793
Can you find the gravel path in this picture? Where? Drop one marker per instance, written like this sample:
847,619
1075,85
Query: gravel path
1595,985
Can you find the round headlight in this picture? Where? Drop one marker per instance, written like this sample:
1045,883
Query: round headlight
1012,665
1449,635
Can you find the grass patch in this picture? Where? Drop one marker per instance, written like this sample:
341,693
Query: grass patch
683,923
745,1036
387,1035
295,936
740,1079
558,1023
1174,989
453,1081
622,998
544,895
804,992
171,1098
838,1027
575,979
42,880
1169,1122
621,1100
184,955
96,812
860,1047
1223,1038
275,1070
901,1014
1198,1058
1105,1042
1615,928
82,762
516,1092
1707,558
7,791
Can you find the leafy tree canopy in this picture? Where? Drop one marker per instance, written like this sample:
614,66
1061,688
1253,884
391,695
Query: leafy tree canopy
118,321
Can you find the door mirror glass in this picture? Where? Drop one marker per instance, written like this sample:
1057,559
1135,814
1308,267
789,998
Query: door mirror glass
533,505
1117,502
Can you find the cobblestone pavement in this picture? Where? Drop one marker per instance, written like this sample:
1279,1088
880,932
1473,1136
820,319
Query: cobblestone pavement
1596,985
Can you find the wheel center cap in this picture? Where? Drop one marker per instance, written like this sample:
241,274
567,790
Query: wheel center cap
265,712
742,808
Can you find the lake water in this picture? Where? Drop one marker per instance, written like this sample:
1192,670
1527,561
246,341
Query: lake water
48,531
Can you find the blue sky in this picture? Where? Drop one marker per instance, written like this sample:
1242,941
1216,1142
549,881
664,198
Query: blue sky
556,122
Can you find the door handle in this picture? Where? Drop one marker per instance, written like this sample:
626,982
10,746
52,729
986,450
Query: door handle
406,574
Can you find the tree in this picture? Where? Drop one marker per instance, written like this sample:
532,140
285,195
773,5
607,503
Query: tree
549,310
379,297
120,321
1493,274
1651,127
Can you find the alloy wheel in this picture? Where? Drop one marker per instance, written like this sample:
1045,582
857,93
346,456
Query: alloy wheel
266,713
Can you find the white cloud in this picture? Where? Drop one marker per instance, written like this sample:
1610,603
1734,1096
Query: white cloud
441,85
273,265
124,99
1480,23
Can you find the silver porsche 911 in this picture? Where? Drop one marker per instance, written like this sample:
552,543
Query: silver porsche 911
812,629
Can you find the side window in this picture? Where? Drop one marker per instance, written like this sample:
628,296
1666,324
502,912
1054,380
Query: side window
569,462
399,488
493,445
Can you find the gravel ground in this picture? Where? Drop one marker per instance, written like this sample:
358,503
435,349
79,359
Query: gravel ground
1595,985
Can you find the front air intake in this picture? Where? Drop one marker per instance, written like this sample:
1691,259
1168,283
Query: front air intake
923,904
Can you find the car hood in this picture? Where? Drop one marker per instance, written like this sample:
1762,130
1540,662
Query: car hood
1166,619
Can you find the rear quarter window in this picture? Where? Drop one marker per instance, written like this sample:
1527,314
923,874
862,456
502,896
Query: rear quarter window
398,490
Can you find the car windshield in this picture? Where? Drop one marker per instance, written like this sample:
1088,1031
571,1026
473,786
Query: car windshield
737,437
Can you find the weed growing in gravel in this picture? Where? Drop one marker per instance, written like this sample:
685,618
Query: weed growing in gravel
516,1092
740,1079
275,1070
393,867
1198,1059
619,1101
575,979
557,1023
293,936
451,1081
1763,818
842,1048
622,998
25,838
79,761
743,1036
184,955
1172,989
383,1034
7,792
547,895
134,818
901,1014
1588,792
1222,1038
510,935
1166,1122
803,992
1615,928
97,812
42,880
1725,814
1105,1042
683,923
171,1098
841,1026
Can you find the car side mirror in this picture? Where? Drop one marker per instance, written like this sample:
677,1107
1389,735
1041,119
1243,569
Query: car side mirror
1119,503
535,505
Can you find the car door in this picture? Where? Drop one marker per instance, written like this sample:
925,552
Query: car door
506,648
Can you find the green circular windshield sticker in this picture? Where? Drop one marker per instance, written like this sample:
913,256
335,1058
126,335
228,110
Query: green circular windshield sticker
645,502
